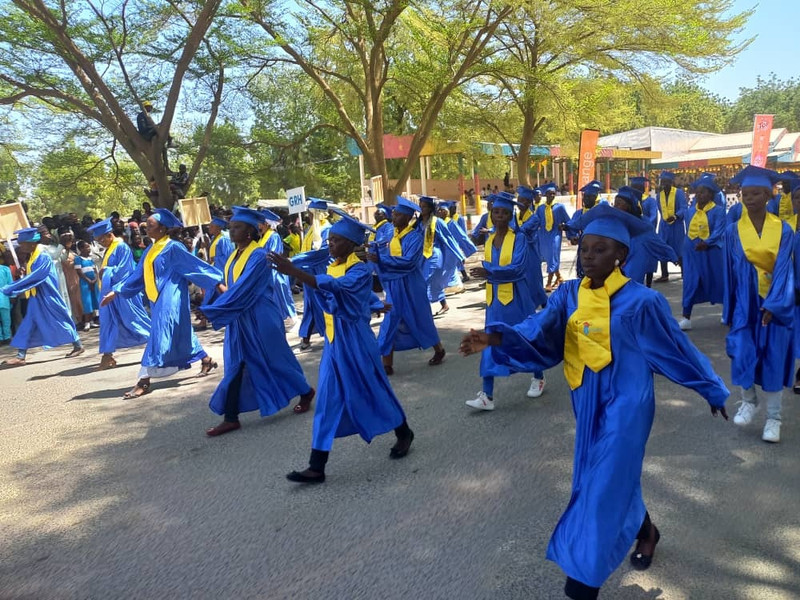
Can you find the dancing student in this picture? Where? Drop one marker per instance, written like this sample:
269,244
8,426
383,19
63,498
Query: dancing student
124,323
781,204
795,191
671,227
703,262
552,217
484,226
645,250
649,212
527,223
759,301
354,394
441,253
612,335
409,324
164,274
271,242
452,266
261,372
47,321
508,295
458,227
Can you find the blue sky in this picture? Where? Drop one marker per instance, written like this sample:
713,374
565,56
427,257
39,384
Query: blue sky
772,50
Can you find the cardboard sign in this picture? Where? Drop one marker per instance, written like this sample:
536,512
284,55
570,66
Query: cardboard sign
12,218
296,198
194,211
376,183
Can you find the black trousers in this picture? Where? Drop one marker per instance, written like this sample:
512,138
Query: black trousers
232,399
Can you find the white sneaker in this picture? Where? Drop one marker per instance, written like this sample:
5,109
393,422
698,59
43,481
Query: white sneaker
482,402
685,324
745,414
537,387
772,431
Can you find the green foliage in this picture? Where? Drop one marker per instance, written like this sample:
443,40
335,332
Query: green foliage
769,96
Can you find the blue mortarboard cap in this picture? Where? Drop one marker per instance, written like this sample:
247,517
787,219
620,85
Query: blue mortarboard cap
795,184
269,215
638,180
405,206
752,176
166,218
29,234
248,215
788,176
523,191
593,188
317,204
385,208
549,187
537,191
667,176
706,181
430,200
349,227
101,228
504,196
219,222
607,221
502,200
445,204
631,195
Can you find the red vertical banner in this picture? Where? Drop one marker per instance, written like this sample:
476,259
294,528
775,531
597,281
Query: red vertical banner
586,159
762,130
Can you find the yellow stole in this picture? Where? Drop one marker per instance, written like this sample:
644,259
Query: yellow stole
336,270
395,246
785,208
370,235
212,251
430,234
308,239
240,263
548,217
698,227
761,251
667,203
265,238
489,223
106,256
150,287
505,291
588,335
34,255
521,219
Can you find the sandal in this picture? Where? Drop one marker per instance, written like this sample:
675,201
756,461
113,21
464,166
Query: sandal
75,352
438,358
642,562
139,390
441,311
108,363
14,362
207,366
304,406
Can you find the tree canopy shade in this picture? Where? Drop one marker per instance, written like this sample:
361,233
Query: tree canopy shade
355,51
99,61
769,96
545,43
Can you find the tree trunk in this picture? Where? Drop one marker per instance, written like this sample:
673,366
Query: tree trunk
529,128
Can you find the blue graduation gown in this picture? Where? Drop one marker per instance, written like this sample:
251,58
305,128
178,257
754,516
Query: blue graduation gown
125,322
222,251
255,343
281,286
172,341
673,234
410,323
734,214
441,269
354,395
314,262
530,229
650,212
644,253
516,311
796,262
550,241
477,237
461,237
614,413
759,355
47,320
703,279
774,205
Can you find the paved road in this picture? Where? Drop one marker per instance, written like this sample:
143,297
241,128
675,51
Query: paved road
103,498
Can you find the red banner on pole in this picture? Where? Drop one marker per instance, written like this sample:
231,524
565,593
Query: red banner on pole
762,130
586,158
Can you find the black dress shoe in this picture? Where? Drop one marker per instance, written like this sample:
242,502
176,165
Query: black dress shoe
641,562
401,448
300,478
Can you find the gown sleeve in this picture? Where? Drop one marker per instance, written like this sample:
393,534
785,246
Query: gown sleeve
242,295
446,237
680,205
347,296
192,268
537,343
39,272
515,271
729,274
716,224
780,298
412,250
669,352
656,247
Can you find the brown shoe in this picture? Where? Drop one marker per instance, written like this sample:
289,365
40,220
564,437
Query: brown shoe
75,352
13,362
107,362
223,428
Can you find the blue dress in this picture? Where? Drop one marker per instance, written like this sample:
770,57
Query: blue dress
172,341
47,321
88,290
759,355
703,279
255,343
614,411
550,241
673,234
354,396
124,322
314,262
222,247
644,253
281,285
410,323
529,226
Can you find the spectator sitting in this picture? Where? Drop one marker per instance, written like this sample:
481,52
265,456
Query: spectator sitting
144,123
179,182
